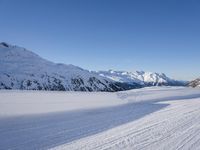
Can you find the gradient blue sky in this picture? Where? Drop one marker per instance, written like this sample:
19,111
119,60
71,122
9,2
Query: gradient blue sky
149,35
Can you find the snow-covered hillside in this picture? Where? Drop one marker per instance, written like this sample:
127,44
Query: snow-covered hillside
141,119
140,77
23,69
195,83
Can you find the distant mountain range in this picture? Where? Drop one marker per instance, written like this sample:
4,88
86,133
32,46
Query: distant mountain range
195,83
140,77
23,69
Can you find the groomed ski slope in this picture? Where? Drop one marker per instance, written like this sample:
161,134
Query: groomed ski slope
148,118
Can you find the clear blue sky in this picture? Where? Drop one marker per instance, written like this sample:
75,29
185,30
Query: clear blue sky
149,35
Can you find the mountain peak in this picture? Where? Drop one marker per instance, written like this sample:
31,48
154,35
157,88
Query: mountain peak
23,69
4,44
195,83
15,53
141,77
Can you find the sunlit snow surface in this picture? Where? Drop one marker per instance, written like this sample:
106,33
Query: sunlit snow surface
148,118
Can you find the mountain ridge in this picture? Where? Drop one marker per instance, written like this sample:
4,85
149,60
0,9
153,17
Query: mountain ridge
140,77
194,83
23,69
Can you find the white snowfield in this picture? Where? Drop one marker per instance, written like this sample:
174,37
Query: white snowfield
149,118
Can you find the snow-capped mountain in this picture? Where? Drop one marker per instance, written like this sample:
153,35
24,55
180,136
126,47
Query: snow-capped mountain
140,77
195,83
23,69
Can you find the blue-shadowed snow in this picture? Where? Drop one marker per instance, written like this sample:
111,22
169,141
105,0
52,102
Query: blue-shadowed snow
148,118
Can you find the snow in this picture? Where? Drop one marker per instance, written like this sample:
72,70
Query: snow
14,103
194,83
23,69
139,77
147,118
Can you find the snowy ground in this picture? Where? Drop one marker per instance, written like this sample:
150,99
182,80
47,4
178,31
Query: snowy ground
149,118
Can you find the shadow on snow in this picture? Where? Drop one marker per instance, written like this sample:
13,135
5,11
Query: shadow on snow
49,130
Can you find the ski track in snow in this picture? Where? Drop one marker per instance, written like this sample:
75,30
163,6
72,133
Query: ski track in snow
149,118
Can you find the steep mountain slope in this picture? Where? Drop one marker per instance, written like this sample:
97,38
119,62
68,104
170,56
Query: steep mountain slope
22,69
140,77
195,83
